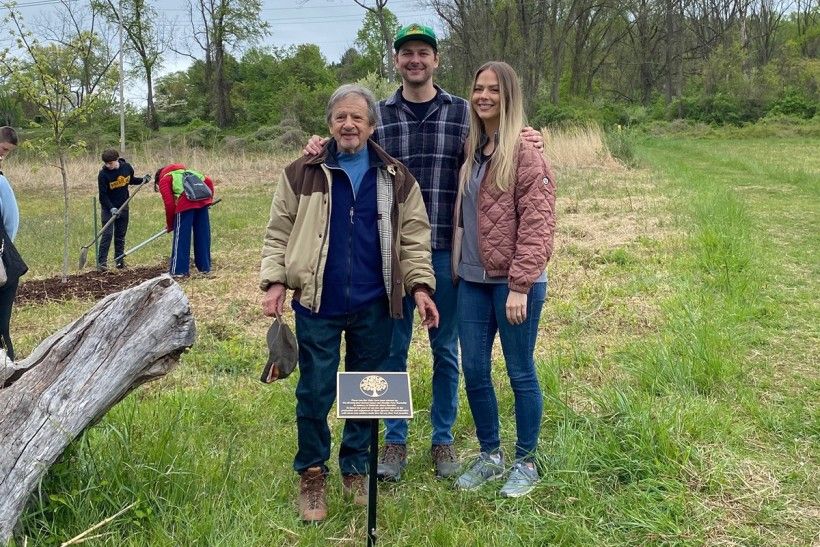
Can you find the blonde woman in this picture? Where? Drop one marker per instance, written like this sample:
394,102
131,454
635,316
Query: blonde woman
505,223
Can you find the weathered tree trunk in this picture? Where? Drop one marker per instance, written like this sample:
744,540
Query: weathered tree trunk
73,377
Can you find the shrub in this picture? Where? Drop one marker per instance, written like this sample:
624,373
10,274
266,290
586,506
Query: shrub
793,103
548,114
292,138
202,134
621,145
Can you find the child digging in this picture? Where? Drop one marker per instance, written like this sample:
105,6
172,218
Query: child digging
115,176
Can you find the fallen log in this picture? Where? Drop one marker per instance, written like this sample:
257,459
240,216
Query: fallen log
77,374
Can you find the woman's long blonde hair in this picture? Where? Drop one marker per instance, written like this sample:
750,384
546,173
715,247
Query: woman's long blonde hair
512,120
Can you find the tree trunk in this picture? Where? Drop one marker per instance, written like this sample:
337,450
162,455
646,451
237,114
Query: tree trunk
222,105
152,120
387,41
77,374
64,176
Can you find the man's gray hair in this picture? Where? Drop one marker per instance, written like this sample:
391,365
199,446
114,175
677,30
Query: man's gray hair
346,90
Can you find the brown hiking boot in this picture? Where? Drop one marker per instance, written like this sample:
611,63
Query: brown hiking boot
355,486
445,460
392,461
312,502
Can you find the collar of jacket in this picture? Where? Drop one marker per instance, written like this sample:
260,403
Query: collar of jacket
482,141
378,157
395,99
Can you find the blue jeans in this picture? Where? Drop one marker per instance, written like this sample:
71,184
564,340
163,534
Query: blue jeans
481,307
367,342
196,222
444,343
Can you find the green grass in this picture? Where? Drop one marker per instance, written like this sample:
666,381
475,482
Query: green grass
677,355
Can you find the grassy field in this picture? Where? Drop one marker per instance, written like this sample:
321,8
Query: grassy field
678,357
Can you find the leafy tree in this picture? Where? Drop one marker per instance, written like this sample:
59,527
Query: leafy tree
219,26
376,51
352,66
180,96
383,27
65,79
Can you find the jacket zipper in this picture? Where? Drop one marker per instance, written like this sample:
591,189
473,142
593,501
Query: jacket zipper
349,257
315,307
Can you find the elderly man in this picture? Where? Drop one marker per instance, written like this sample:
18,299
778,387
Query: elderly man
348,232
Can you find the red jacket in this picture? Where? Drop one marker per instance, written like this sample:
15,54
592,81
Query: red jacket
516,226
174,205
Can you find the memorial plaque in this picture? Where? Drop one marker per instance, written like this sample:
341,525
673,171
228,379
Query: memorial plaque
372,395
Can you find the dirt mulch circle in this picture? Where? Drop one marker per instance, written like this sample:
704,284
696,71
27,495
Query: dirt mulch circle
92,284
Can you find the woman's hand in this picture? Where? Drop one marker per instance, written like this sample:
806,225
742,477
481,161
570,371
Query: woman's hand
516,307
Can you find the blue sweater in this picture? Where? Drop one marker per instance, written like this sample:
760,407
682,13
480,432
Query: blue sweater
8,208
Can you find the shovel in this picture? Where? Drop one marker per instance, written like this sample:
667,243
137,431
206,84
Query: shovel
84,248
152,238
141,245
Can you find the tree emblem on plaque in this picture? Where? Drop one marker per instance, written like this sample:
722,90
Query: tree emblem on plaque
373,386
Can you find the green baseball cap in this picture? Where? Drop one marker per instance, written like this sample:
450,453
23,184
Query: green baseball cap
415,31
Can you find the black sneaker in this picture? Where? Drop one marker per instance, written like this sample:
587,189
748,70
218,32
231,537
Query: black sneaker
121,265
392,461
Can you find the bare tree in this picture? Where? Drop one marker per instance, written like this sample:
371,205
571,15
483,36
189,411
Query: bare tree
766,17
806,14
146,39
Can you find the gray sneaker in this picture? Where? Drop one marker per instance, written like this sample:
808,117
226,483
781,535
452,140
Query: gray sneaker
486,467
445,460
392,461
522,480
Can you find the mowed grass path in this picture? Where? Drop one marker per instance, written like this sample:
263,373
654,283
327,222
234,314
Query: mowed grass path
678,358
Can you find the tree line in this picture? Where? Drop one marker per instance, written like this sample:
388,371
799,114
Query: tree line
615,61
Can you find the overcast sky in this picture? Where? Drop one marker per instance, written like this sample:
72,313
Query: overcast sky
331,24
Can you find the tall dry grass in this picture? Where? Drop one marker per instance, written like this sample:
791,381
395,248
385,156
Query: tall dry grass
235,169
578,147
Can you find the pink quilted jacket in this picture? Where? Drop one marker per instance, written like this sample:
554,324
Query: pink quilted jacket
516,226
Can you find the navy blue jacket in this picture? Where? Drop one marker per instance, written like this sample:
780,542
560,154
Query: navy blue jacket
353,271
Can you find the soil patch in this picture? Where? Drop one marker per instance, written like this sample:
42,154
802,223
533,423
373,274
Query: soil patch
93,284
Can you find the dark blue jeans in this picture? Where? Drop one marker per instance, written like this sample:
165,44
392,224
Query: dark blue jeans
367,343
444,343
186,223
117,231
481,307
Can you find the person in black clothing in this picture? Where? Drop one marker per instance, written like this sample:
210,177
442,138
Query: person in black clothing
113,180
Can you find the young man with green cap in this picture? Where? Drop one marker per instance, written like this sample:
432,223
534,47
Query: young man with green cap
425,128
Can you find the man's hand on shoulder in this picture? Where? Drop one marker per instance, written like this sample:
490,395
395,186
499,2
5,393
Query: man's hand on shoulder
535,137
315,145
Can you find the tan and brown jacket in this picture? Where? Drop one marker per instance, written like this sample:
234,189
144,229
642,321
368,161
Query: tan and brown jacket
295,248
515,226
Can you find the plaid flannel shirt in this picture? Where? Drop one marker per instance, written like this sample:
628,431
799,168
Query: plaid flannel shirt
433,151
